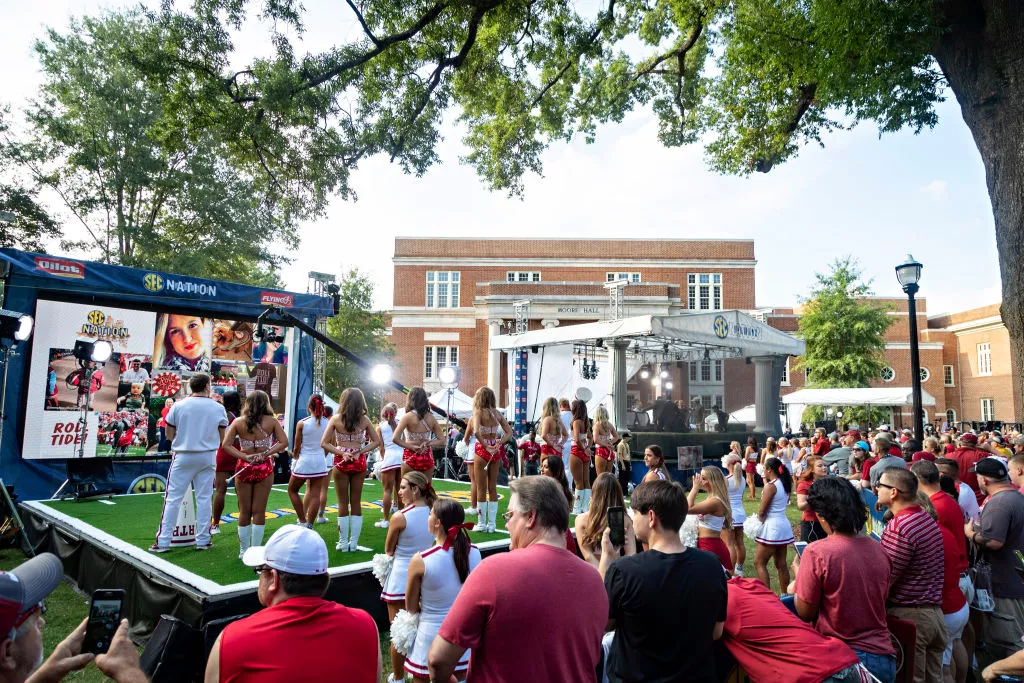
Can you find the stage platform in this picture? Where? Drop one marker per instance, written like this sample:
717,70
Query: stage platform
102,543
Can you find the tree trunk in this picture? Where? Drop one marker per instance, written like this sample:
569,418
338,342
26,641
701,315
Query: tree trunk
982,57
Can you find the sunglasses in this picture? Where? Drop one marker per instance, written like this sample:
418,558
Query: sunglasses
892,487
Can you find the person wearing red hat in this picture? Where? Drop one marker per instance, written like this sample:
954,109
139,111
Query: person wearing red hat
967,456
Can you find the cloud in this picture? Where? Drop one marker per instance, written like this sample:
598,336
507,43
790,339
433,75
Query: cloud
936,189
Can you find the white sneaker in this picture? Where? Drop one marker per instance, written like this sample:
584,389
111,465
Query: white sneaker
490,528
352,547
738,571
214,530
480,527
475,512
321,520
342,546
381,524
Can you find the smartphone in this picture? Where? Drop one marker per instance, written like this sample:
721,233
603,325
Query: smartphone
104,618
800,545
617,525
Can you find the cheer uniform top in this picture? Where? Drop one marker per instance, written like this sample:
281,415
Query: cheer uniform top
739,515
751,459
603,447
714,545
392,453
777,529
310,463
225,461
350,442
554,448
256,472
579,448
489,447
414,538
421,462
438,591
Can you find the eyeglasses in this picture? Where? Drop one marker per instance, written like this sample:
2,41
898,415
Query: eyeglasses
260,569
40,607
892,487
508,515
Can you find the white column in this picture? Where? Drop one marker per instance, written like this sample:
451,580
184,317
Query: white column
494,358
548,323
766,395
617,381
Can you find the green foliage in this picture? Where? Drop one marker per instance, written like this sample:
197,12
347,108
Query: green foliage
24,221
852,415
843,330
361,330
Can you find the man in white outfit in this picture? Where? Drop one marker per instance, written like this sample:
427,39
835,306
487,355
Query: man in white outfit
566,415
195,427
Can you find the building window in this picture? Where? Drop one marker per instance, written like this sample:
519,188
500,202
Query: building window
436,357
706,371
707,400
631,278
951,417
442,289
785,373
984,360
988,408
704,291
522,276
925,374
888,374
947,376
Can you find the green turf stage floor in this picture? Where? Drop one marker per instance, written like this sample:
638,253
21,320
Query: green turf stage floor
134,520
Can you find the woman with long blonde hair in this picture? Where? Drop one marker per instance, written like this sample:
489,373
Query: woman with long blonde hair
605,437
349,436
736,484
714,514
581,455
552,431
590,525
490,448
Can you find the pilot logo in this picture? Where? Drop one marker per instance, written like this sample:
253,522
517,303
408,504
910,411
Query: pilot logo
721,326
153,282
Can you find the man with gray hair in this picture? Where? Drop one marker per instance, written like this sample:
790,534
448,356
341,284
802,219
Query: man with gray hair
538,593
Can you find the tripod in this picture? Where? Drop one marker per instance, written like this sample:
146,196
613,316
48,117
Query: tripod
446,470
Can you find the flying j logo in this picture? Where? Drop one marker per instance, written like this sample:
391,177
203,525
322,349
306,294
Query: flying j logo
60,267
277,299
153,282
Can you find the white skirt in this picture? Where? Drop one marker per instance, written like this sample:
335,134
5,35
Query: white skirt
776,531
739,515
310,467
394,584
416,660
392,459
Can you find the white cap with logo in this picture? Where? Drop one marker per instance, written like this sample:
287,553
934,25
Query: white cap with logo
292,549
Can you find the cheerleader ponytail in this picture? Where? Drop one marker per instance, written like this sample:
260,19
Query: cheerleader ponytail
452,518
315,407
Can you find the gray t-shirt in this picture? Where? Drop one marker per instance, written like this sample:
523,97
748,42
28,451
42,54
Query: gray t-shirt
197,421
888,462
840,457
1002,519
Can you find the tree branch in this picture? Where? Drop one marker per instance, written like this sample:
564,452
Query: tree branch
362,22
803,103
679,52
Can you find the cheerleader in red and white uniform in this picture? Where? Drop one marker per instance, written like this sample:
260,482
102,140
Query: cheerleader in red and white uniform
391,461
490,449
349,436
605,438
553,434
435,579
418,433
579,462
714,514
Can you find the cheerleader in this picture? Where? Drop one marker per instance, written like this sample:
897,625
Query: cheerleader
225,461
490,449
408,534
260,438
776,533
751,456
714,514
418,433
474,497
605,437
735,483
309,466
553,433
350,436
591,524
435,579
391,461
329,465
655,461
581,455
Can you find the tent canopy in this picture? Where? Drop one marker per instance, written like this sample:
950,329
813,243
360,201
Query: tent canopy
729,334
461,406
869,396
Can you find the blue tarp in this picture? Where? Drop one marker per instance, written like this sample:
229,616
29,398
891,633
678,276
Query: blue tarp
30,276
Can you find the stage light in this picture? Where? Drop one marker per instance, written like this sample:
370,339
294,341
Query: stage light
599,344
97,351
645,372
380,374
664,370
14,326
449,374
668,386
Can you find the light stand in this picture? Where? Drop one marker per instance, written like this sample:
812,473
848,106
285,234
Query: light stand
449,376
909,274
14,327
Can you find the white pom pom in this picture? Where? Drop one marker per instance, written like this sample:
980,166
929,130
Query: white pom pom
461,449
760,470
752,527
688,532
403,631
377,468
381,566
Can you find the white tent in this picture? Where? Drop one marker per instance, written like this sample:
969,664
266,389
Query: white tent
882,397
461,405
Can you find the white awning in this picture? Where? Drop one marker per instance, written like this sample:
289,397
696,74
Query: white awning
869,396
731,333
461,404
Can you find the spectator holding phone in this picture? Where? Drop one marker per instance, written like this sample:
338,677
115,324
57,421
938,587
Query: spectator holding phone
591,524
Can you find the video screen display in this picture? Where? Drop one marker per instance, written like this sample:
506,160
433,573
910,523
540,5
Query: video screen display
123,402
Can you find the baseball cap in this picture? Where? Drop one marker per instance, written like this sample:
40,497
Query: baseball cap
855,433
969,437
862,445
25,586
1019,441
997,437
833,435
991,467
883,428
292,549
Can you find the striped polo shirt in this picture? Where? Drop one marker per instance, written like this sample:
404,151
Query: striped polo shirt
913,542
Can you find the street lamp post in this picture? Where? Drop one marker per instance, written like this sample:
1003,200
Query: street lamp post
909,274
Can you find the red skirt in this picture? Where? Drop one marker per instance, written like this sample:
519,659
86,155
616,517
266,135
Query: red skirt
580,453
719,548
357,466
751,467
254,473
604,453
225,461
546,450
421,462
484,454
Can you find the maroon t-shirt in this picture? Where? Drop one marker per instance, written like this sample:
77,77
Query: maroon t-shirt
953,598
533,614
848,579
772,644
951,517
801,490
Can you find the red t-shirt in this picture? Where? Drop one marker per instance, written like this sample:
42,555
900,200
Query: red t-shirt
967,458
531,450
534,614
895,451
865,469
822,446
300,639
772,644
952,597
923,455
951,517
801,490
848,579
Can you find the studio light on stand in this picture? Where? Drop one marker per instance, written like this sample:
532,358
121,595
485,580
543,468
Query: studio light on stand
14,328
449,377
89,352
380,375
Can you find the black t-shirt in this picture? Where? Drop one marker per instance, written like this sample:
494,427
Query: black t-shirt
665,607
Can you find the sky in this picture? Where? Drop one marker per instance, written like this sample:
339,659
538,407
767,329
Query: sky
876,198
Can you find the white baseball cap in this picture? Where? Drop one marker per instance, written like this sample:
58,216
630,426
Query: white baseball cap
292,549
